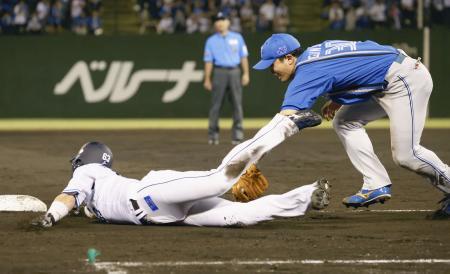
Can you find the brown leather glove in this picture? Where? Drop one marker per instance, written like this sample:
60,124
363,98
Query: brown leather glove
251,185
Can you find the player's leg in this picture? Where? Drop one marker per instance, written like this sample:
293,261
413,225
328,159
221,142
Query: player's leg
291,204
208,204
236,102
406,103
349,125
219,87
180,187
172,189
176,212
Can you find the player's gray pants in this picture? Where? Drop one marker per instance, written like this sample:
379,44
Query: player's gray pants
405,103
168,196
226,82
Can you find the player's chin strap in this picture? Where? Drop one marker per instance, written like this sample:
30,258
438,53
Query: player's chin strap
305,118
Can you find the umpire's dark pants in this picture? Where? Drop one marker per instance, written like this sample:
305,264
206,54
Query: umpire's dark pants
226,82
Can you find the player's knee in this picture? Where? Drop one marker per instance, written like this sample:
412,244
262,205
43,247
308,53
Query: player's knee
216,189
405,160
235,169
337,124
341,125
219,188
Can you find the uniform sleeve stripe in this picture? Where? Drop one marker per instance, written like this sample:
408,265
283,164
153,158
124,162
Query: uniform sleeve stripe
290,107
71,191
75,193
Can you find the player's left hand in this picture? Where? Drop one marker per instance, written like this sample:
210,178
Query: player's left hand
329,109
245,80
43,221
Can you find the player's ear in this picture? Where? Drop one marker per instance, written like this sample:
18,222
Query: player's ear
290,59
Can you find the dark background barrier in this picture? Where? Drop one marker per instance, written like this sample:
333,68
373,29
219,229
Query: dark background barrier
32,66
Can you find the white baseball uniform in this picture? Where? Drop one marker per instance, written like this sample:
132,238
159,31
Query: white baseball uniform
190,197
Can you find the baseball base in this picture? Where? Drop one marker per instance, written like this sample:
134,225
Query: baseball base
21,203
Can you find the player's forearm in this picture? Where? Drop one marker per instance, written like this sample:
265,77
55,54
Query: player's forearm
208,71
68,200
244,66
61,206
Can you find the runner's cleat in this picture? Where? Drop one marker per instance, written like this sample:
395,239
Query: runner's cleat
320,197
367,197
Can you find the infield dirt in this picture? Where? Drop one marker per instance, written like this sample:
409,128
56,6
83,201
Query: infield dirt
37,164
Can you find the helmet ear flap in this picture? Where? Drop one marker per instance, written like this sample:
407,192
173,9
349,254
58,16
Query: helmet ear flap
76,162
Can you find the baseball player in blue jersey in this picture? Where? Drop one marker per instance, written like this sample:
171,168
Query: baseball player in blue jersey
364,81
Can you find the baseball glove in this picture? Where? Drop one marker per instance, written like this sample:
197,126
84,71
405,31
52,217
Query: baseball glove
251,185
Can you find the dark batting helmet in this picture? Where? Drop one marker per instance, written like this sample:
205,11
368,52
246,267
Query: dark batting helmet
93,152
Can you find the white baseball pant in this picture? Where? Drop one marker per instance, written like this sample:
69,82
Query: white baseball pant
405,102
192,197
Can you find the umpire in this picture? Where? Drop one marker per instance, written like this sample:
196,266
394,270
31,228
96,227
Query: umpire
224,51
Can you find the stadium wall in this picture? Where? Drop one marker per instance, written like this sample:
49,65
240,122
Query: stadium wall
156,76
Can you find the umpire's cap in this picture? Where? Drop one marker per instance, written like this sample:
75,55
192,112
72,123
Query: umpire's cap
276,46
220,16
93,152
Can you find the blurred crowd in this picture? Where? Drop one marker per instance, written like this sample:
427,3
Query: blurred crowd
373,14
41,16
191,16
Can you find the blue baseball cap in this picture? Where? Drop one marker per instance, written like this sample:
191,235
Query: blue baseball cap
278,45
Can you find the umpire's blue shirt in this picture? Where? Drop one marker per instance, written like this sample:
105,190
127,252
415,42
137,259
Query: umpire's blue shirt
348,72
225,51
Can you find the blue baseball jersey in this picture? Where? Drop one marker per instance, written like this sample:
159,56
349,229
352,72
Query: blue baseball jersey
225,51
347,72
